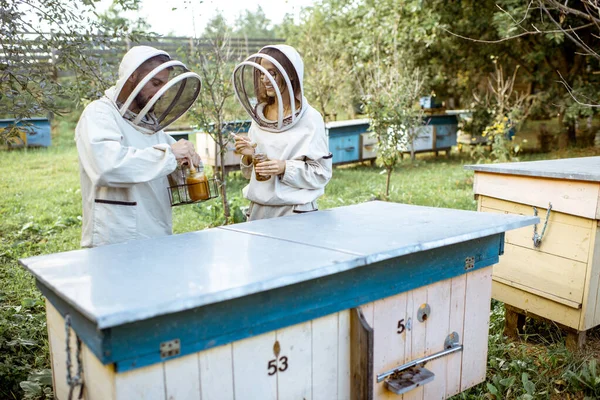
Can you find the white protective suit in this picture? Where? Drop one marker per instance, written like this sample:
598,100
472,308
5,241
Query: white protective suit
124,164
300,140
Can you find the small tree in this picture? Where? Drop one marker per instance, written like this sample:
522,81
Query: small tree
391,103
507,109
213,64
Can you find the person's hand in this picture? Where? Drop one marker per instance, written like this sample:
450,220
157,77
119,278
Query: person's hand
244,146
271,168
196,160
184,152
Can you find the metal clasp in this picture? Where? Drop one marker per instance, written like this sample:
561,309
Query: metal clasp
451,346
537,239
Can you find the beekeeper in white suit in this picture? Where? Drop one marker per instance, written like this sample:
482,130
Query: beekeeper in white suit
286,129
125,156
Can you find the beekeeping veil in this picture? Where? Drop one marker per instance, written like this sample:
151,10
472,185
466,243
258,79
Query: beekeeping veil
251,92
180,89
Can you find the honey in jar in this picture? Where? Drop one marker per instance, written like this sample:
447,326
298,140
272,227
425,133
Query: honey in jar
258,158
197,184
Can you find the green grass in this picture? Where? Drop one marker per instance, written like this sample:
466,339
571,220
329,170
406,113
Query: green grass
40,211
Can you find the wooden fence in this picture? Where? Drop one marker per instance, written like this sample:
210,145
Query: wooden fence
33,52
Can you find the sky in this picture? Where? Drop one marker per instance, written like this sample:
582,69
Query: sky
196,13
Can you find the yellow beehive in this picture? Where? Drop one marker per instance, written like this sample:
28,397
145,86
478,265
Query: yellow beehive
559,279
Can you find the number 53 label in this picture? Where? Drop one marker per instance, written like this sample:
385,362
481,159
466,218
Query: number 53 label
272,366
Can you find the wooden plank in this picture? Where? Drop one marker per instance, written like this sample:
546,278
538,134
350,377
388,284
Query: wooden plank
216,373
571,197
361,355
527,210
476,327
455,324
294,375
590,288
146,383
389,335
594,266
58,355
418,335
99,378
598,208
251,360
182,378
343,381
553,277
325,357
563,240
528,289
438,298
537,305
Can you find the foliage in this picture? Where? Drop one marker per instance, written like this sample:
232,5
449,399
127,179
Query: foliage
211,110
507,110
586,378
254,24
391,104
326,71
347,35
58,30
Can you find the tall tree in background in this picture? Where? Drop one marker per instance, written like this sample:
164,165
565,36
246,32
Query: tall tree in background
254,25
543,37
40,40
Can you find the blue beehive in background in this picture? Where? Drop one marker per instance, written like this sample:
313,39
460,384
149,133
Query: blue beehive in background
35,132
429,102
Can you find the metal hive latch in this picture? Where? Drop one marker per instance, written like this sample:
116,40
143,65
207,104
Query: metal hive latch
413,374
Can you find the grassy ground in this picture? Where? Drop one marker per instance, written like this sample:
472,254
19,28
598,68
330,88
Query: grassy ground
40,211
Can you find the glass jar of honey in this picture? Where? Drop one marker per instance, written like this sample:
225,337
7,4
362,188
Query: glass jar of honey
256,159
197,184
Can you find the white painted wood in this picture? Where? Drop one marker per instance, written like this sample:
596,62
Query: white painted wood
296,380
368,312
410,322
438,298
250,368
325,358
182,378
99,378
389,346
343,381
216,373
551,275
58,354
455,324
146,383
476,327
571,197
418,337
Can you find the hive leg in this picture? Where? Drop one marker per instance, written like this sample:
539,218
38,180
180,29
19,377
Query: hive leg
514,321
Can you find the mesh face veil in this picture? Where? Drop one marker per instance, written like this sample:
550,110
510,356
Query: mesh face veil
251,91
179,89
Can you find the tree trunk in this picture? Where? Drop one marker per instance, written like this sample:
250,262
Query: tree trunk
572,134
562,136
387,183
222,176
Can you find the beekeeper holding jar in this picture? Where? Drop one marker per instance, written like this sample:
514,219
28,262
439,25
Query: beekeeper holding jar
286,154
124,154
